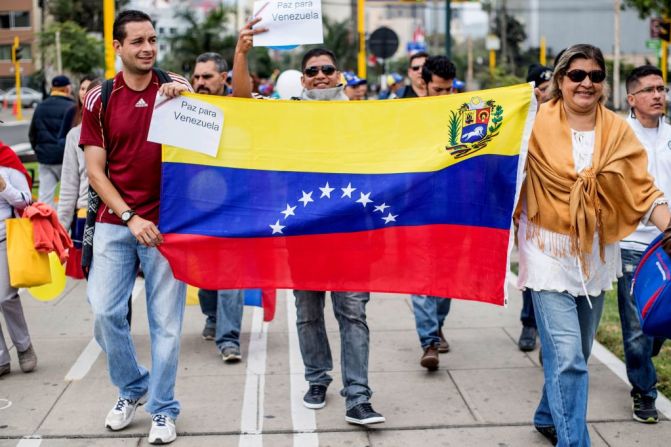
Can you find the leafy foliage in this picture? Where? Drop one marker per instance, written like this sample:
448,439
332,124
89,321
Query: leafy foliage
86,13
339,39
650,8
210,34
81,53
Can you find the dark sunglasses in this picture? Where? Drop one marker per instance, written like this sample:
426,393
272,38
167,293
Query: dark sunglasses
416,67
311,72
596,76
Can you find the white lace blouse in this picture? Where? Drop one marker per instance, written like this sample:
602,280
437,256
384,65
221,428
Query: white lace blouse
541,270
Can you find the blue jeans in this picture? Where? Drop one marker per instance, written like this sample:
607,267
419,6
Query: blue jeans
527,316
566,326
350,311
229,318
637,346
223,309
208,305
430,313
116,257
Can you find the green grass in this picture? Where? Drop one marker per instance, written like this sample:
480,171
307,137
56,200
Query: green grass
32,169
609,334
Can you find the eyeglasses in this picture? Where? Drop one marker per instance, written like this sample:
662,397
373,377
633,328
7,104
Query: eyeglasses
416,67
596,76
311,72
652,89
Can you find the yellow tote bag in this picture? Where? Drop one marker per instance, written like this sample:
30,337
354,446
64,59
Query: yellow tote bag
27,266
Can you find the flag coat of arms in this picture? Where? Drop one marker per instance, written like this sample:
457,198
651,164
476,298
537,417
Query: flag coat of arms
408,196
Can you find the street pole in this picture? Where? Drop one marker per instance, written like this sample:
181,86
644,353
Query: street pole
108,22
543,52
469,63
616,58
361,30
504,33
665,60
59,62
448,29
17,79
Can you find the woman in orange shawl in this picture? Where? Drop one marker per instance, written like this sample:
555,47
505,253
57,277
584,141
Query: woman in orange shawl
586,187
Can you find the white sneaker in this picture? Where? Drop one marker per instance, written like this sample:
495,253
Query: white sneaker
163,430
122,413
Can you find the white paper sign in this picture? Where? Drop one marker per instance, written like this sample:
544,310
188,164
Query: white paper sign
289,22
188,123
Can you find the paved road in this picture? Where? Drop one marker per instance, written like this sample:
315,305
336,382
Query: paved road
483,395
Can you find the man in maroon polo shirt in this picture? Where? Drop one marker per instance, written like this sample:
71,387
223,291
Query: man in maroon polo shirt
125,170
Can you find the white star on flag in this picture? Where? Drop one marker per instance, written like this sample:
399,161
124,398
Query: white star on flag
289,211
277,228
381,208
326,191
347,192
364,199
390,218
307,198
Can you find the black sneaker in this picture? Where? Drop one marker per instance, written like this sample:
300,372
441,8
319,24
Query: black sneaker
527,341
549,431
315,398
363,414
644,409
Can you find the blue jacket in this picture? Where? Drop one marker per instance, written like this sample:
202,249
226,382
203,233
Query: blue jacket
45,127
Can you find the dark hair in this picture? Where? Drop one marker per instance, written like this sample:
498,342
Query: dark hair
315,52
641,72
77,119
130,15
218,60
440,66
417,55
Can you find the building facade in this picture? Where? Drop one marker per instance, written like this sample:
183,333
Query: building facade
18,18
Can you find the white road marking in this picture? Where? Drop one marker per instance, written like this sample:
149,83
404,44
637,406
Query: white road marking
30,441
90,354
251,420
303,418
613,363
5,403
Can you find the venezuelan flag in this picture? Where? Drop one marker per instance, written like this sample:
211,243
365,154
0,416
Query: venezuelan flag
409,196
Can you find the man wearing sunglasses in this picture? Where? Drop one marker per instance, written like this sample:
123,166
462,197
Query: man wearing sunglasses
438,74
416,87
321,82
646,95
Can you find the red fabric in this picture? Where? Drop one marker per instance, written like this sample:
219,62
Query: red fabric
9,159
134,162
48,232
73,268
269,301
472,261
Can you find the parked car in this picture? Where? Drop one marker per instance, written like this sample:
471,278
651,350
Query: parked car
29,97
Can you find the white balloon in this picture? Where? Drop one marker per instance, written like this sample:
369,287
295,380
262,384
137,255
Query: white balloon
289,84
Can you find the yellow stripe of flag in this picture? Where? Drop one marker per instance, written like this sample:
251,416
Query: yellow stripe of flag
355,137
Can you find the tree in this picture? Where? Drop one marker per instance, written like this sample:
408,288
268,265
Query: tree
210,34
86,13
650,8
339,39
81,53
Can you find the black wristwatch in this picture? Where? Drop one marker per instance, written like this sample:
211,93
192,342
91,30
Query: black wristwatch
126,216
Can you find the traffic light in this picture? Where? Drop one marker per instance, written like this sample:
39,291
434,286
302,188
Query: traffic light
664,30
16,54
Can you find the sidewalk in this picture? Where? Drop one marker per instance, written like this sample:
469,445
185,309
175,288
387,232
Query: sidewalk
483,395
